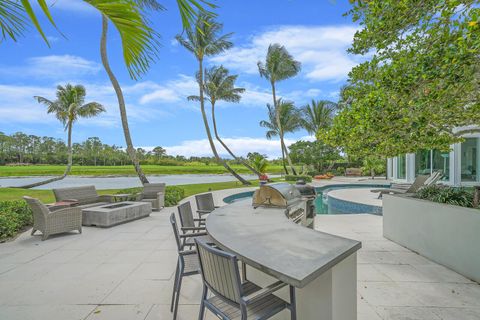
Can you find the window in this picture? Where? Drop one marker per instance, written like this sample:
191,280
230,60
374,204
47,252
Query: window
469,160
441,162
423,162
402,167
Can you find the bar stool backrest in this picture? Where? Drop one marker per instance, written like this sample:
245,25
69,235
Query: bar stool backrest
220,272
205,202
173,222
186,215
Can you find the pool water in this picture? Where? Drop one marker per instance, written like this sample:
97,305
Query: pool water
321,202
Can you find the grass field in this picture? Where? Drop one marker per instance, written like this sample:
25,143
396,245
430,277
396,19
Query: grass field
47,195
49,170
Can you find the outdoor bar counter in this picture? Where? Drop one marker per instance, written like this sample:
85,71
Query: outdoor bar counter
322,267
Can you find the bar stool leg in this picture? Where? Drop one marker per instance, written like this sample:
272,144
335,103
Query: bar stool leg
293,304
174,288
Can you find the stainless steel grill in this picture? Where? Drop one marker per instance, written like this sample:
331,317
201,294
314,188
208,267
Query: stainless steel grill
298,208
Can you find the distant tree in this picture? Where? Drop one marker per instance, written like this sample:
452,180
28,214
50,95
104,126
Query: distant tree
68,108
316,154
159,152
282,119
279,65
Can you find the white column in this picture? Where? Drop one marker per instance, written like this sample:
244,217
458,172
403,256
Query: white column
410,167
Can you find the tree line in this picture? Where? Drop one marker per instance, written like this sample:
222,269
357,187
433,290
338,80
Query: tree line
20,148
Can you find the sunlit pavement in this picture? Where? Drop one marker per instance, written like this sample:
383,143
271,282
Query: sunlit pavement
126,272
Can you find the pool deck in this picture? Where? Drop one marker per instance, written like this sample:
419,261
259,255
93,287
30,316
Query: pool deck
357,195
126,272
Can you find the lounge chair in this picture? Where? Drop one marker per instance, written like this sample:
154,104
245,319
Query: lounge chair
153,193
420,182
54,220
230,298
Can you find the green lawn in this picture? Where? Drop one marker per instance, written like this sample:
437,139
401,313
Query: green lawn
47,195
45,170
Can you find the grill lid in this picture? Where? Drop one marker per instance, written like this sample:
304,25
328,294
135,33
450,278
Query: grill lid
277,195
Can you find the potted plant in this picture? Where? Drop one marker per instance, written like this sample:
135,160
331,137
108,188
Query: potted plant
260,163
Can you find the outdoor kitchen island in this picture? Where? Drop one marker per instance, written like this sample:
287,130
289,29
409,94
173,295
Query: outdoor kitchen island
322,267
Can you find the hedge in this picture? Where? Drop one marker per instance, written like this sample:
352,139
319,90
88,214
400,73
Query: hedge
14,216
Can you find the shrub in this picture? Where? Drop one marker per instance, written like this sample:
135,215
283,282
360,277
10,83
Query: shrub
449,195
173,195
14,216
295,178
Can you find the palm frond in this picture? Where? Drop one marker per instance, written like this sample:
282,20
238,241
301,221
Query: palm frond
12,20
140,43
90,110
279,64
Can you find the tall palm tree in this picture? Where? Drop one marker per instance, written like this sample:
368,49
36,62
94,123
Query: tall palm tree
288,116
279,65
318,115
203,40
139,40
220,86
68,107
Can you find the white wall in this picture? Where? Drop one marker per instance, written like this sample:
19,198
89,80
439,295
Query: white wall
449,235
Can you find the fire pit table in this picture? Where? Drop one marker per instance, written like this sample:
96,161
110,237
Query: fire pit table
111,214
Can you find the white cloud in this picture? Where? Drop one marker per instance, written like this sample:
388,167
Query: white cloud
56,67
173,91
240,146
321,49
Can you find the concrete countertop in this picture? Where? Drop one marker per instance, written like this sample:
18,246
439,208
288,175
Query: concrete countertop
265,239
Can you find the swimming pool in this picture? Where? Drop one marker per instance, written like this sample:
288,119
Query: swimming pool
322,205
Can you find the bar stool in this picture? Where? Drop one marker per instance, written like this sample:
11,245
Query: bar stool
231,298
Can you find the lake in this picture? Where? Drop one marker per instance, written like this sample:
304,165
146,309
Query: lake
121,182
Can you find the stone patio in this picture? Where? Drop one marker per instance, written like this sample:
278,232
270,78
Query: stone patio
126,272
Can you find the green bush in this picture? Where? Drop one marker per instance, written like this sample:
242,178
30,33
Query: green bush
295,178
173,195
449,195
14,216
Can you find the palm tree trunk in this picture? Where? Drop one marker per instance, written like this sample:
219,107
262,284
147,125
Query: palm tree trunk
121,102
242,161
283,159
67,169
207,128
279,124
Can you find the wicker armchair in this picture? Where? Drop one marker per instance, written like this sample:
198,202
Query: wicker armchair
52,222
153,193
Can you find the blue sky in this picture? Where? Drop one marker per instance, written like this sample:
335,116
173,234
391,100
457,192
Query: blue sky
315,32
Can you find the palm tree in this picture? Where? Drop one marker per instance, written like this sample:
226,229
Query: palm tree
288,116
203,40
318,115
220,86
68,108
279,65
